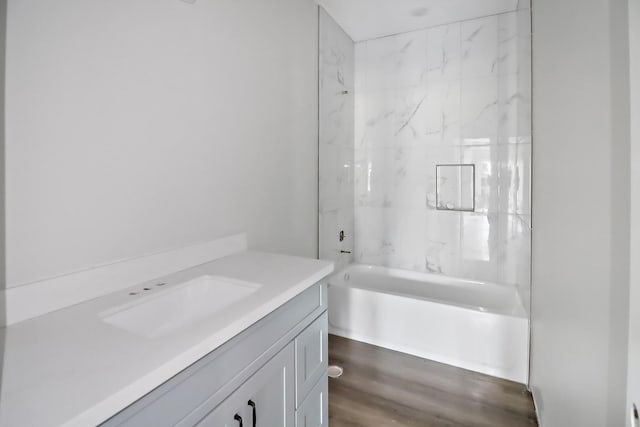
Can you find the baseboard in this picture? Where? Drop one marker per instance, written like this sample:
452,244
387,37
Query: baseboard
535,407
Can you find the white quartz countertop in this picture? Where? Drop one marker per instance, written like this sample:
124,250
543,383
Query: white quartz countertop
71,368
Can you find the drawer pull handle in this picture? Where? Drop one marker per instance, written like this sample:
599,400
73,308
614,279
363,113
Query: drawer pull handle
238,418
255,415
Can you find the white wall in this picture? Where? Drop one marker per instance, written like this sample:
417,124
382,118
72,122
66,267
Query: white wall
580,212
619,198
137,127
633,374
3,281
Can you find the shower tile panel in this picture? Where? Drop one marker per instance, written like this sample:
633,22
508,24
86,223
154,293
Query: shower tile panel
391,236
443,53
452,94
336,137
443,242
410,124
479,247
508,44
410,179
488,193
335,177
509,102
410,60
479,110
379,118
455,187
374,178
514,245
515,179
397,62
380,64
479,47
441,112
524,75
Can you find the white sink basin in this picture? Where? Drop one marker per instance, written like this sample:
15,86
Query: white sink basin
167,310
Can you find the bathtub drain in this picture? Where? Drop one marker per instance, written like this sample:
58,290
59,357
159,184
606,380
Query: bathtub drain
334,371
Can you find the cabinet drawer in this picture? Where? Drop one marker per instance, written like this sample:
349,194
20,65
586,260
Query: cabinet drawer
314,411
263,396
311,357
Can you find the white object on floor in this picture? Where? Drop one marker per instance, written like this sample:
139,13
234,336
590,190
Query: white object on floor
334,371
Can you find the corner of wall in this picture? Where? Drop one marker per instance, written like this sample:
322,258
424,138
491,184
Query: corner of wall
578,349
535,396
335,143
620,196
633,362
3,275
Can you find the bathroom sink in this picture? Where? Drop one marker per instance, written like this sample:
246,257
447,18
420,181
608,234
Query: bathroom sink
167,310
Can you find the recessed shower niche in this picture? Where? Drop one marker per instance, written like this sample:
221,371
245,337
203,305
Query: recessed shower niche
456,187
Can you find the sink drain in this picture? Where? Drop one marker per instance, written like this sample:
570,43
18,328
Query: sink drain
334,371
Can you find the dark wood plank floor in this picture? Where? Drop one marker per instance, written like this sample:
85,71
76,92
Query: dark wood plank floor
382,388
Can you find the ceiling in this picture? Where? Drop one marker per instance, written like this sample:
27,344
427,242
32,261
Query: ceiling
369,19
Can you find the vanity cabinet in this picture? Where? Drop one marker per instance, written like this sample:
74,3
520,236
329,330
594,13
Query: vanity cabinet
273,374
314,410
311,358
261,400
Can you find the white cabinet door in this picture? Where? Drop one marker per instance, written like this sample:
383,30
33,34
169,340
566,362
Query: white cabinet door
314,411
311,357
264,400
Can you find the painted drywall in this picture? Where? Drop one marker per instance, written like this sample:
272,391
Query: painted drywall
633,374
3,33
580,212
336,56
3,281
138,127
619,199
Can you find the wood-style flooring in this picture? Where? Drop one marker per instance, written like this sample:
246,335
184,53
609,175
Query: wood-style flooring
382,388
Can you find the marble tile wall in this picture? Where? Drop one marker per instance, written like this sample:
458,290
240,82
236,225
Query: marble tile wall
336,153
457,93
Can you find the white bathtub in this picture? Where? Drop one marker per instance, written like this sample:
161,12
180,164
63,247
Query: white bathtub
474,325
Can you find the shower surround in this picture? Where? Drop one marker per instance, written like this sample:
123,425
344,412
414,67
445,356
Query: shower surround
453,94
454,283
335,151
